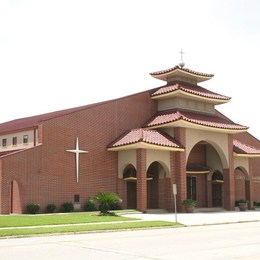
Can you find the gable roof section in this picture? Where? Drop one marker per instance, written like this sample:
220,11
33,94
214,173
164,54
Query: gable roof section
33,121
185,89
241,149
178,118
148,139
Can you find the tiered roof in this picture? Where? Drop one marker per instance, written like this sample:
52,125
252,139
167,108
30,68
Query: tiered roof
181,118
143,138
182,89
177,71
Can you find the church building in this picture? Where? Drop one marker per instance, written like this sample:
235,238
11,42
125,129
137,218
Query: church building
136,146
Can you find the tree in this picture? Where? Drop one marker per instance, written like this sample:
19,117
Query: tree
105,201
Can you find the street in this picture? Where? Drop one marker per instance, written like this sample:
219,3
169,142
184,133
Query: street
230,241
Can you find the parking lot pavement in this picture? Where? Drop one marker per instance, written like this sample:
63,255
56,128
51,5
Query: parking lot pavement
202,218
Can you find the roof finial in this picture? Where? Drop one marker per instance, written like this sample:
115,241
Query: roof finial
181,64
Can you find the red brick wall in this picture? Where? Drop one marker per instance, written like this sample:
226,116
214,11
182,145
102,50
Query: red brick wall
178,168
52,178
240,186
141,180
198,154
229,179
25,169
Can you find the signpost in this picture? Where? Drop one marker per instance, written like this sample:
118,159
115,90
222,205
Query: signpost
174,189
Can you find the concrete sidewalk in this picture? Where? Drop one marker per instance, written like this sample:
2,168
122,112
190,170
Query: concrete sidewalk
202,218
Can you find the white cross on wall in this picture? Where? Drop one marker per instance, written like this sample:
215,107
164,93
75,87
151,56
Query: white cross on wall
77,152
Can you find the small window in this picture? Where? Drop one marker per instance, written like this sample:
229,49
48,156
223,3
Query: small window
15,140
25,139
4,142
76,198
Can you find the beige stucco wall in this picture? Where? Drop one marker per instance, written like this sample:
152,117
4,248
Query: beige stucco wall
124,158
129,157
242,162
20,144
218,140
190,104
163,157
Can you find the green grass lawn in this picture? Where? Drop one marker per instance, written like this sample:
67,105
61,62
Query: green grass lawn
26,225
56,219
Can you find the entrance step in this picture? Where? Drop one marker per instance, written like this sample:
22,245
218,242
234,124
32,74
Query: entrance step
209,210
157,211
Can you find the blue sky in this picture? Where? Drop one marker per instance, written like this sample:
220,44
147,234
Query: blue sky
57,54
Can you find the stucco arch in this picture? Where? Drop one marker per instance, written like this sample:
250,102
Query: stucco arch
163,171
210,174
221,153
162,157
219,141
123,168
244,171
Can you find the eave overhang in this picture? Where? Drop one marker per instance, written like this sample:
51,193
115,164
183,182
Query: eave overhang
187,124
184,94
198,172
244,150
145,139
144,145
247,155
181,72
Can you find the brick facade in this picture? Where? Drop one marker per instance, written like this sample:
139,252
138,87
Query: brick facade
45,173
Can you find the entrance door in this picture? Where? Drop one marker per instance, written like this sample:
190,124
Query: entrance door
131,195
192,187
216,195
217,181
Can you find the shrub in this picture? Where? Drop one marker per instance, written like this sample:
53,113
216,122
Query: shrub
67,207
190,202
32,208
105,200
50,208
90,206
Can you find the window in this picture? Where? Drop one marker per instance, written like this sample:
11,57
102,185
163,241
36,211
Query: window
25,139
15,140
4,142
76,198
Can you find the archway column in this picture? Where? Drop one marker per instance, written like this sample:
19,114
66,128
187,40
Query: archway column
178,168
141,180
229,178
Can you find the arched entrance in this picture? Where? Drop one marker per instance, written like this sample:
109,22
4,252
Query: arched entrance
203,184
129,176
217,181
156,186
241,187
15,200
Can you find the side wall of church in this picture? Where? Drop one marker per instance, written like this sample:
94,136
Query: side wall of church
23,168
95,128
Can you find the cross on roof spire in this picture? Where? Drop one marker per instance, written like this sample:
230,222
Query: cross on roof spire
181,64
181,52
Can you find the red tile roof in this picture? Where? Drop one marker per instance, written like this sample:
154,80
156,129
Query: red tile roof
148,136
177,67
241,148
34,121
214,121
9,152
196,90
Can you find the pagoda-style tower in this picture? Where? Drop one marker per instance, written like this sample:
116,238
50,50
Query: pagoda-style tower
187,142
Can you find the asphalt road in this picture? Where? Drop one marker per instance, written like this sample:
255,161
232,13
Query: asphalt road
230,241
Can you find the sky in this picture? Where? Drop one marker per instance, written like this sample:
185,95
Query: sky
58,54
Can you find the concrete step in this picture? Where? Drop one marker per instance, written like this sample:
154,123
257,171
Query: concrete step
157,211
209,210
